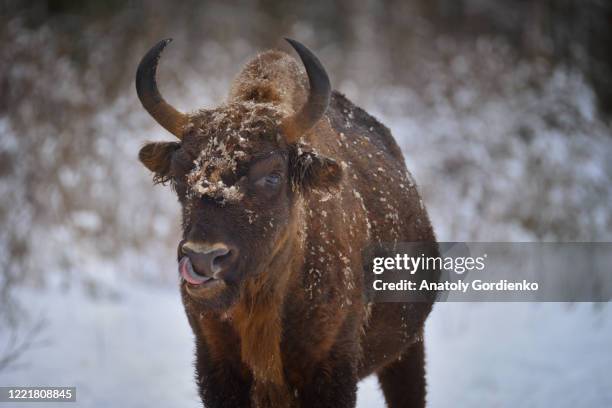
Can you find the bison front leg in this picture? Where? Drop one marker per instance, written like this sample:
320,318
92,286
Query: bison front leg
222,384
332,385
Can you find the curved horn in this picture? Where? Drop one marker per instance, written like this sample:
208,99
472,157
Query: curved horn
146,87
318,97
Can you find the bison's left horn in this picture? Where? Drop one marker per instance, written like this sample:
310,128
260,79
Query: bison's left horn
146,87
318,97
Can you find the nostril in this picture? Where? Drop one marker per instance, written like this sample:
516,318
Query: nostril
219,258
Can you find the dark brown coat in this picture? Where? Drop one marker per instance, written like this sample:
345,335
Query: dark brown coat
289,325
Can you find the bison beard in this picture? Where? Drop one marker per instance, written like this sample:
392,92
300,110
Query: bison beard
282,189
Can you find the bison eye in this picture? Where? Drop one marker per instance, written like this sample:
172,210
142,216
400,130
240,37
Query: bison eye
270,180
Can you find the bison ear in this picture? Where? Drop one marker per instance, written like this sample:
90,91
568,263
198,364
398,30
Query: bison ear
311,170
157,157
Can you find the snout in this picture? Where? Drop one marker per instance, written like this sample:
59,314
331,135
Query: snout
200,262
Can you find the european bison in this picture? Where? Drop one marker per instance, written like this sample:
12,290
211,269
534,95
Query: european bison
282,188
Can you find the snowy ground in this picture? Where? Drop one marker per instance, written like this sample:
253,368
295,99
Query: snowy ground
135,349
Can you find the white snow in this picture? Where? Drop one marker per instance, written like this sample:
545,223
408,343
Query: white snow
132,349
135,349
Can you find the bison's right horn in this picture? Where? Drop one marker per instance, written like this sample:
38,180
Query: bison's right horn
318,97
146,87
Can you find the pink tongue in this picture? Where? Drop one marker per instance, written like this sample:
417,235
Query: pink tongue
188,273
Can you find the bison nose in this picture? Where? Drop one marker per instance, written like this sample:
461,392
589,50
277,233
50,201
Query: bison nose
209,260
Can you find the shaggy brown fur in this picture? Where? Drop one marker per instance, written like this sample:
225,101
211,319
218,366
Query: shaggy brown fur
290,325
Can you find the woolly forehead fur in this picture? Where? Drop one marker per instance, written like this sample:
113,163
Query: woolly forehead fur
271,87
274,77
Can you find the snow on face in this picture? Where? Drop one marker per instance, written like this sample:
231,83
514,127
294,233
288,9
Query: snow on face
229,138
215,160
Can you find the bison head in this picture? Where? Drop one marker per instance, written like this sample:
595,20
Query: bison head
240,172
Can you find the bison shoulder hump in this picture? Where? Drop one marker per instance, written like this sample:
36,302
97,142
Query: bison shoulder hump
360,121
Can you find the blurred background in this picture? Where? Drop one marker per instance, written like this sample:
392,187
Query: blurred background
502,108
